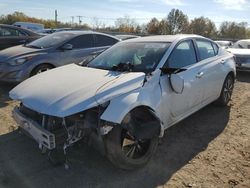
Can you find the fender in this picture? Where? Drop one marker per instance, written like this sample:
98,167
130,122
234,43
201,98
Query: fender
122,105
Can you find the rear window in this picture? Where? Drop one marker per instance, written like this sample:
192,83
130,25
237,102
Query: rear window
102,40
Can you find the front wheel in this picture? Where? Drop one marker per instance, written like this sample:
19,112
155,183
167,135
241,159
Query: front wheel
127,152
226,92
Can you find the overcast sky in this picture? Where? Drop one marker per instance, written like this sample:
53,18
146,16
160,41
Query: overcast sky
107,11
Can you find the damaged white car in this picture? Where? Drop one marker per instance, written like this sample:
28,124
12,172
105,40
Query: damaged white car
126,97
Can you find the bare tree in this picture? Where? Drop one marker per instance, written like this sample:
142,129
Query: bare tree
126,24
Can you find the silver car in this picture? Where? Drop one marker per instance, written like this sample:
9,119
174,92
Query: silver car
21,62
241,51
126,97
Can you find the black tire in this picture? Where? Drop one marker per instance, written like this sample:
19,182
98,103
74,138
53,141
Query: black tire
41,68
226,91
119,155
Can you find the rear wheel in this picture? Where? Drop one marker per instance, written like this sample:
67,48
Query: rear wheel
41,68
227,91
127,152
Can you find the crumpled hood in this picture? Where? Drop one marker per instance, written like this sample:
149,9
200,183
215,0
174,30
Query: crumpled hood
71,89
17,51
238,51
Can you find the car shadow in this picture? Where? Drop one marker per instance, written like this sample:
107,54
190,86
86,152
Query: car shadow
243,76
4,93
22,165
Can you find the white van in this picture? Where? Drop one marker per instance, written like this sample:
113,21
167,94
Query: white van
29,25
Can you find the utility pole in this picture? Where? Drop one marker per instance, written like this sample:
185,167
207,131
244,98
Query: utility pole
72,21
56,17
80,21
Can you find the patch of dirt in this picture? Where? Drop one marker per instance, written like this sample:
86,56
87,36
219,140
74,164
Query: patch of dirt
209,149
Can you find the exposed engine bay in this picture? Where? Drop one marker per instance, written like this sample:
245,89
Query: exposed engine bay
55,134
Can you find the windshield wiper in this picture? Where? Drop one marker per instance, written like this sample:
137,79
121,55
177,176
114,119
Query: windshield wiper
123,67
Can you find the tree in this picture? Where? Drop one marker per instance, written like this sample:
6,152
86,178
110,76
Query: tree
126,24
153,26
233,30
203,26
177,22
164,27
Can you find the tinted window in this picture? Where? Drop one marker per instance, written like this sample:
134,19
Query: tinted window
83,41
102,40
9,32
205,49
183,55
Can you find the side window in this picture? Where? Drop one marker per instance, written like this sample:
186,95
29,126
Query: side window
183,55
102,40
83,41
216,48
9,32
205,49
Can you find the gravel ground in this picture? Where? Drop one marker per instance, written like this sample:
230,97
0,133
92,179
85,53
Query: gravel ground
209,149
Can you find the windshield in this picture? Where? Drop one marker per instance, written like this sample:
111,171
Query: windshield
242,44
51,40
131,56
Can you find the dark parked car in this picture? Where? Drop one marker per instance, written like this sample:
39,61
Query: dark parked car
57,49
12,36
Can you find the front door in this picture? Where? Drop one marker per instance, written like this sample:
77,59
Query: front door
179,105
82,46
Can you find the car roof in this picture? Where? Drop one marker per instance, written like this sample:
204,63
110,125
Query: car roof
20,28
83,32
164,38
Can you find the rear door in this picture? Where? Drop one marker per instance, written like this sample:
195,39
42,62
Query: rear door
11,37
212,75
103,42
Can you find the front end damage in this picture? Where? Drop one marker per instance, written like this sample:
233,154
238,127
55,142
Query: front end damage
55,134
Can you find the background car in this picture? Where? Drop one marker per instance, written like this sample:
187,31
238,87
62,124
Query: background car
20,62
12,36
224,43
241,51
30,25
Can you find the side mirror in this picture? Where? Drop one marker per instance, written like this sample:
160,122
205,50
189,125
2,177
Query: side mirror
67,47
177,83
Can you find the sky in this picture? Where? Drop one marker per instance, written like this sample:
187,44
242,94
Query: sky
107,11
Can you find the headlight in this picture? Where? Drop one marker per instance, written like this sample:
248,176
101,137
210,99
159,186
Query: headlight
20,61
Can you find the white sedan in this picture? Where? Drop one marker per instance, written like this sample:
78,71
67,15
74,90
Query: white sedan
126,97
241,51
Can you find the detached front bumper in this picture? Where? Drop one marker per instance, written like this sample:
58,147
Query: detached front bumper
43,137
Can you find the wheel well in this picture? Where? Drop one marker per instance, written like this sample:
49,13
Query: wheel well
142,122
49,64
232,74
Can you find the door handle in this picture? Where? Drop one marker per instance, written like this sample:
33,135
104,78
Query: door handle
199,74
222,61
